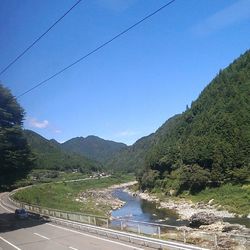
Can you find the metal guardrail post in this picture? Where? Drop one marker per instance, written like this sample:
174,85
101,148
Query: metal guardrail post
138,229
107,223
215,241
184,235
159,232
121,225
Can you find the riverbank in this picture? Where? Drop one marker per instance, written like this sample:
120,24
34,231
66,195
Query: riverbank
201,222
186,208
65,196
104,196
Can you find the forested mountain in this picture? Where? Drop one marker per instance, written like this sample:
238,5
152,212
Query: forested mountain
131,158
93,147
15,155
50,155
209,143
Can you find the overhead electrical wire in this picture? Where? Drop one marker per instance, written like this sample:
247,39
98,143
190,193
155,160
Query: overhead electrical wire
96,49
39,38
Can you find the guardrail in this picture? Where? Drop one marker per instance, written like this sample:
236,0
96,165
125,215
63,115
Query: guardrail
72,216
128,237
113,234
160,231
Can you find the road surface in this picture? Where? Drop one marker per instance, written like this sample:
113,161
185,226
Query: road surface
34,234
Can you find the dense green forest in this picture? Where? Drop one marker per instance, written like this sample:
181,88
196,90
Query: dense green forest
15,157
93,147
131,158
50,155
208,144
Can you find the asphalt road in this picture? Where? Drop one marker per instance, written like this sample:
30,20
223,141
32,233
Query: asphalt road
35,234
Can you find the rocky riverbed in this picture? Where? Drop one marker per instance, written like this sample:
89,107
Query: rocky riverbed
104,196
205,223
186,208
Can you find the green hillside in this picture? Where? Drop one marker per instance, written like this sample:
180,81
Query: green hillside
130,159
49,155
208,144
93,147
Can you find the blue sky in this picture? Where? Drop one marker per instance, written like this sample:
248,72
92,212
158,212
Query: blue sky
132,86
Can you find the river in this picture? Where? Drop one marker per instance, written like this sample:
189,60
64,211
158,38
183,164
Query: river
141,210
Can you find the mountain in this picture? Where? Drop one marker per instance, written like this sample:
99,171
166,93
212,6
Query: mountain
93,147
131,158
50,155
209,143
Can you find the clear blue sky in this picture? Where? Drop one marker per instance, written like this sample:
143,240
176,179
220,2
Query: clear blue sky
133,85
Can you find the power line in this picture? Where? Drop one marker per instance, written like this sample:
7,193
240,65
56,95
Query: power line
96,49
39,38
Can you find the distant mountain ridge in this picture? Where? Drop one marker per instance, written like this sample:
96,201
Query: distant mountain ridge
93,147
133,158
50,155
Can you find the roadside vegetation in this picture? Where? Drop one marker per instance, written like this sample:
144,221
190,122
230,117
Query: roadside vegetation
62,196
37,176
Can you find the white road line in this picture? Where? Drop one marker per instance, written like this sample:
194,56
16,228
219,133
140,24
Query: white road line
41,236
73,248
5,208
10,243
95,237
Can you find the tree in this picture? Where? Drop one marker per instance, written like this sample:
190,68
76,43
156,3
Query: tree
15,156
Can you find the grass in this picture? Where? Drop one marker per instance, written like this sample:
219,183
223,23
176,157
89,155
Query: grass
45,176
234,198
62,195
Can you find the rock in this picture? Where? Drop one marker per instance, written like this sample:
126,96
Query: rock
184,228
172,192
101,196
200,205
215,227
211,202
232,227
202,218
227,244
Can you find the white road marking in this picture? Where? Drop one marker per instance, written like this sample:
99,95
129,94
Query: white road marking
41,236
10,243
73,248
5,208
95,237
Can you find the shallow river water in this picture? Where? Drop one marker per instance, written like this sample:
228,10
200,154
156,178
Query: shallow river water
141,210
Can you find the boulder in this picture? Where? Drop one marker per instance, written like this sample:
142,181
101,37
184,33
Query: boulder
233,227
172,192
211,202
202,218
